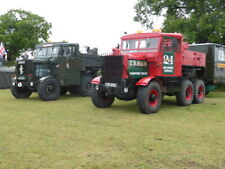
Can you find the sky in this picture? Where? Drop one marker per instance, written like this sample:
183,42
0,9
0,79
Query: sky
95,23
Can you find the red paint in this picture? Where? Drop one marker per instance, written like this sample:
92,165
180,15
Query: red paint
144,81
153,98
182,57
200,92
189,93
96,80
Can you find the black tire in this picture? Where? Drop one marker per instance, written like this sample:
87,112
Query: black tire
149,98
49,89
101,99
85,86
199,91
63,91
186,94
20,92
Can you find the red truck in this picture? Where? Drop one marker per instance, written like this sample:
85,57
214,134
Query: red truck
148,66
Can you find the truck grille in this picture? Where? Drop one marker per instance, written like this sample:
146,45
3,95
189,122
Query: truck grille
23,68
112,69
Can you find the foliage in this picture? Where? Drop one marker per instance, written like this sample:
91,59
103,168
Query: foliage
200,21
20,30
72,133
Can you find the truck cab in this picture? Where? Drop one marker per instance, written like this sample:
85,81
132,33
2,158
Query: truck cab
157,49
57,67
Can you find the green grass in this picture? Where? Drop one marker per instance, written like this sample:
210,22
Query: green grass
72,133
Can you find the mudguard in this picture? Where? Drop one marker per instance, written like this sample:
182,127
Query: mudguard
145,81
43,78
96,80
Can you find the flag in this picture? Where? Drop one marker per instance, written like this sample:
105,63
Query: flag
3,53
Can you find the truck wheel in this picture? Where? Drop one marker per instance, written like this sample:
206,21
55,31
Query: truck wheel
101,99
63,91
85,86
185,95
149,98
20,92
199,91
49,89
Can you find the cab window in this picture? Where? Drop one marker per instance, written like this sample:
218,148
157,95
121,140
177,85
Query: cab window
171,44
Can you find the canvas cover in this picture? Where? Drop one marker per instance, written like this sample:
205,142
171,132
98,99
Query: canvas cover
5,75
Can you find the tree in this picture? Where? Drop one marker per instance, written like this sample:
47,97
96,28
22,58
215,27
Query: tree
200,21
20,30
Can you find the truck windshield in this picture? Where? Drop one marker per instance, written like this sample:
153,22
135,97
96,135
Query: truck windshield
41,70
140,45
46,52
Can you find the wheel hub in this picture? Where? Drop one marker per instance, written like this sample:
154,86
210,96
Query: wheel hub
152,97
50,89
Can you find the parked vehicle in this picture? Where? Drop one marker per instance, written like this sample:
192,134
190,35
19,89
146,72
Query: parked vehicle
148,66
56,68
5,74
215,64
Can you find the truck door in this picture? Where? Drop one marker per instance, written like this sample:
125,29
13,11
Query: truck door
171,56
72,65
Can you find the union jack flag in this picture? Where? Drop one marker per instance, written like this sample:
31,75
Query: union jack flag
3,53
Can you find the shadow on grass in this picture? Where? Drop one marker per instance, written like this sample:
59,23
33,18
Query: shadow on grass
35,97
169,101
126,107
132,107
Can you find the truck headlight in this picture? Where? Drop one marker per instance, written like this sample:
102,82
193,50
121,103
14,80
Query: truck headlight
96,87
125,89
20,84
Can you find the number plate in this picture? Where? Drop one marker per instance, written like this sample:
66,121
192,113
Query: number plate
21,78
110,84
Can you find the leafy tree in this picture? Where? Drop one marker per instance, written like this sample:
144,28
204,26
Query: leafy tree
200,21
20,30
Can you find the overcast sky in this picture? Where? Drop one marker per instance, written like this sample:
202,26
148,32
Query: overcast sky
98,23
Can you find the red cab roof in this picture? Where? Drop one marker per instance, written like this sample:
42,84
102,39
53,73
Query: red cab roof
149,35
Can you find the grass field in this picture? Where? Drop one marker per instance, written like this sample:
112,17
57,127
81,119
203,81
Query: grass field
72,133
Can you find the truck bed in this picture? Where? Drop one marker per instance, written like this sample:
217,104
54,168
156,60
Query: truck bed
90,60
191,58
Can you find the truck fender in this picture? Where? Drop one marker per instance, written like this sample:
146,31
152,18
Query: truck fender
145,81
43,78
96,80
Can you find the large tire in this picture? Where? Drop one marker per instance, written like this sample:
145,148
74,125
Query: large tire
101,99
149,98
20,92
186,94
85,86
199,91
49,89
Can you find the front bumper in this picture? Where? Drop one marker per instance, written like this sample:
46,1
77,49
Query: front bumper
124,88
28,84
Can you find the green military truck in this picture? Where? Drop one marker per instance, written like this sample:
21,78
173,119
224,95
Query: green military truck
214,73
57,67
